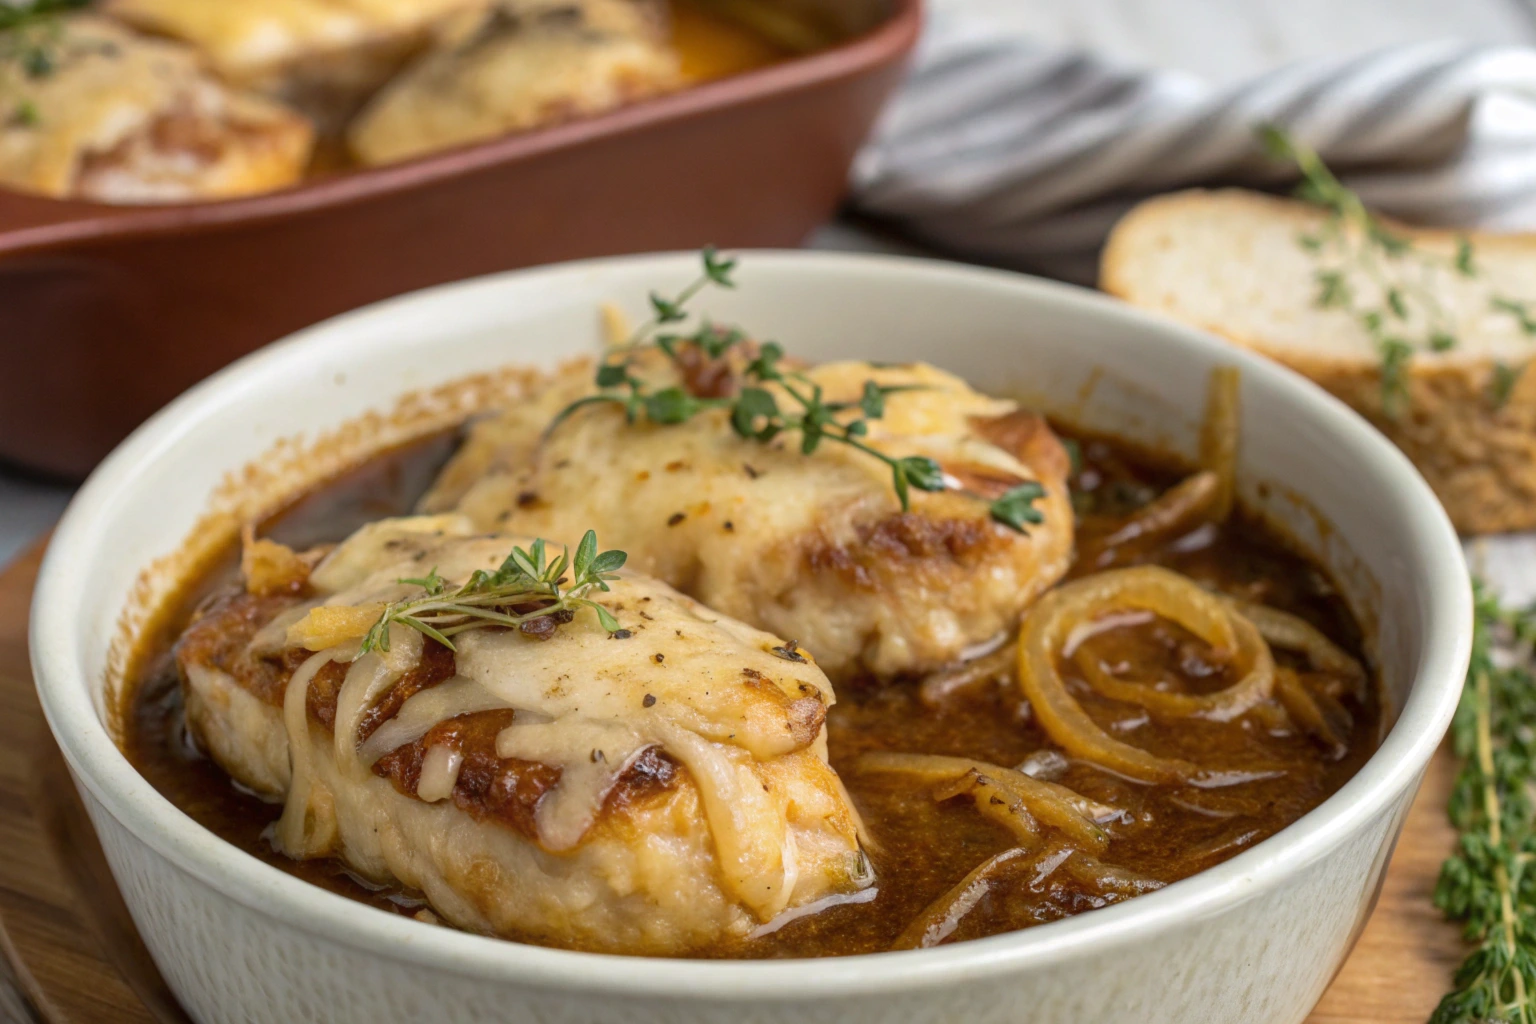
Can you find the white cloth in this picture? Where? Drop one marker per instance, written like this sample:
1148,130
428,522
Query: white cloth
1003,150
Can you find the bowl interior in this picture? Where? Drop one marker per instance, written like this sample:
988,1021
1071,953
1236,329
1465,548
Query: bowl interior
1319,472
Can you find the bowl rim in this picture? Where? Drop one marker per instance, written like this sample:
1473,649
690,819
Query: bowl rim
41,222
99,766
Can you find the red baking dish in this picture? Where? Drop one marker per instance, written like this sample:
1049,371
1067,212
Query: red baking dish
106,313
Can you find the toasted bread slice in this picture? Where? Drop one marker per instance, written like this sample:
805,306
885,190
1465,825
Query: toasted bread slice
1232,262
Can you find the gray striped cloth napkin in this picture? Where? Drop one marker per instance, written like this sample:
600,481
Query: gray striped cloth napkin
1002,150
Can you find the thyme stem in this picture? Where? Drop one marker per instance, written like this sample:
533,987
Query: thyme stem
754,412
1487,883
528,586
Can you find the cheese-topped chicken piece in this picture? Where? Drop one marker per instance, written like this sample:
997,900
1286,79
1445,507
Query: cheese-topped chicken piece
813,547
325,57
653,791
111,116
527,64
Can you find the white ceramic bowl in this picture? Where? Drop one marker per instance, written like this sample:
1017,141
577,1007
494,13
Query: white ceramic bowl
1253,940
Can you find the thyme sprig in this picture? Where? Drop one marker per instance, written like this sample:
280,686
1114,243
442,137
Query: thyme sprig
1407,315
755,413
527,587
1490,883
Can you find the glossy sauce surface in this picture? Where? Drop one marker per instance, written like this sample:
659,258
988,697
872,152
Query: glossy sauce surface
1269,772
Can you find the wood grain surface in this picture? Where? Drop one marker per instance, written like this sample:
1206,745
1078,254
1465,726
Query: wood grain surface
77,960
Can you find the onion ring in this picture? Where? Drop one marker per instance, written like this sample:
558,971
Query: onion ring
1222,706
1048,626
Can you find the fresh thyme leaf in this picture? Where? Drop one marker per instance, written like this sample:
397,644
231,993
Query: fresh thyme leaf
604,617
667,310
673,405
604,564
1489,883
755,415
1017,507
610,375
527,586
922,472
873,400
1441,342
586,551
718,268
766,366
715,340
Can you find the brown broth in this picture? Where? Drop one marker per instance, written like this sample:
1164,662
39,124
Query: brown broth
921,847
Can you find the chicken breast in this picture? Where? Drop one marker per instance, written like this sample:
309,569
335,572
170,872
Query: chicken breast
652,791
107,115
529,63
325,57
813,547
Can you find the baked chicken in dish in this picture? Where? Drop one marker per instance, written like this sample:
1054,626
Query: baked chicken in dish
96,112
525,64
816,547
614,769
324,57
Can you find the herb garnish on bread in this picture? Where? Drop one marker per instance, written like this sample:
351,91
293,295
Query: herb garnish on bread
1424,332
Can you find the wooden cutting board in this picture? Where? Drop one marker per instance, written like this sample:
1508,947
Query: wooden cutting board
78,960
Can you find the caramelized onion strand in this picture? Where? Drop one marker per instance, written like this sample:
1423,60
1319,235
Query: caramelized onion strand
1190,503
1056,806
1219,436
1292,632
941,917
993,801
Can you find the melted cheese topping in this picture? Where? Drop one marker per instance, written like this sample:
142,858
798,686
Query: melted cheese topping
123,118
811,547
532,64
247,40
744,715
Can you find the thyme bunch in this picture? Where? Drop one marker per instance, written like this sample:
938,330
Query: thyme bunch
1490,882
527,587
755,413
1406,316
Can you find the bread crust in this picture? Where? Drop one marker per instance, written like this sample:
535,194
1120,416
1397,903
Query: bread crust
1479,457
